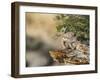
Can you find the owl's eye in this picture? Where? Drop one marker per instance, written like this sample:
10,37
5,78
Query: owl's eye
64,42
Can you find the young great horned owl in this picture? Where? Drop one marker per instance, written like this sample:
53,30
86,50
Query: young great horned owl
69,40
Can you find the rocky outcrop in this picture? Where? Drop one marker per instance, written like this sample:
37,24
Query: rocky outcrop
73,51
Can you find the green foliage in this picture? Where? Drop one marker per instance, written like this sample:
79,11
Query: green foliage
79,24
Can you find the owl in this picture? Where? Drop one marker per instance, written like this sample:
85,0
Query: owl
69,40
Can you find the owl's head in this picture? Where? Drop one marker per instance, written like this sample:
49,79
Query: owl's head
69,35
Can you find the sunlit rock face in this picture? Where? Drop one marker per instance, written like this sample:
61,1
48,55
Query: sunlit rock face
73,52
